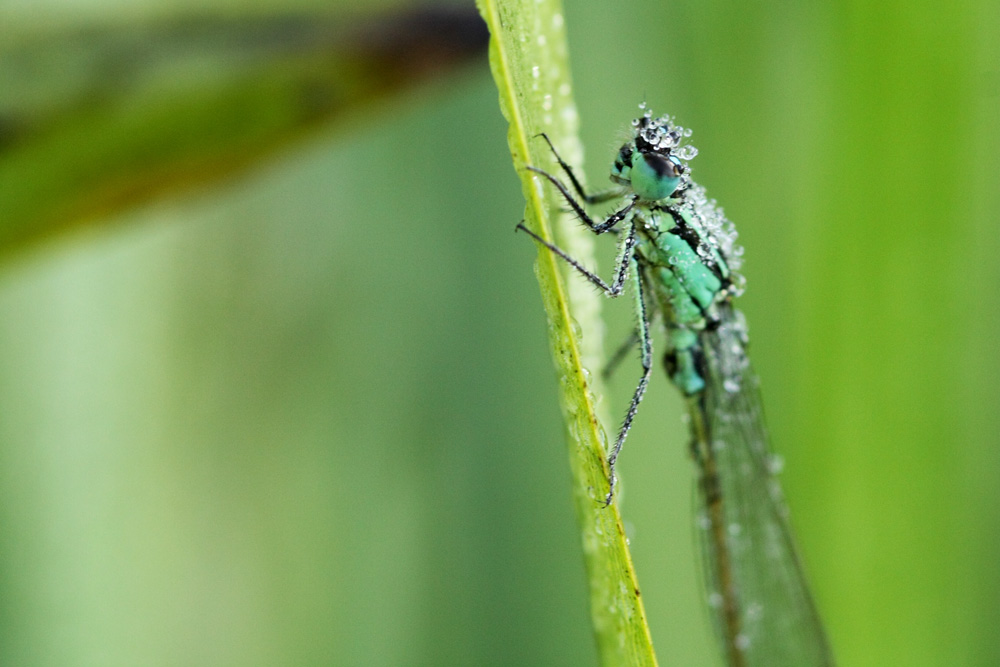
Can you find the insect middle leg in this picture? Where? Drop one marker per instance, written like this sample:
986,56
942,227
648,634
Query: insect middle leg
646,353
622,262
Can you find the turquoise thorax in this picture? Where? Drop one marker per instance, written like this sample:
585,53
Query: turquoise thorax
691,277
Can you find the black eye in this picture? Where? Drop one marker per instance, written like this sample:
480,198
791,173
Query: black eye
625,154
664,167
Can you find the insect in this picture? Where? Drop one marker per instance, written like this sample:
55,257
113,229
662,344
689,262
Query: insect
678,258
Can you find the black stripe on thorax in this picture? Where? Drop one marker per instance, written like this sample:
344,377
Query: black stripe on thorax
694,240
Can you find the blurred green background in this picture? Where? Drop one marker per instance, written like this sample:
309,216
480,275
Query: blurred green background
307,415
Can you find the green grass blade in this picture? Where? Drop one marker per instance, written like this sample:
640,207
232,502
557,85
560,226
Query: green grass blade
529,63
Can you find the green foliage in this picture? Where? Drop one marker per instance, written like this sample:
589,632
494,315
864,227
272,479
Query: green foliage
99,118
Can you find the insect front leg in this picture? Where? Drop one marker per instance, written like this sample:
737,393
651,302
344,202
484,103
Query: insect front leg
578,209
596,198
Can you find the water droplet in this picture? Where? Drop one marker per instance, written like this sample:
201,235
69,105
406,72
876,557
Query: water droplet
536,71
687,152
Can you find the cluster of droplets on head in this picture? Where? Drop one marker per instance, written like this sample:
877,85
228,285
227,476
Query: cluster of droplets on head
662,136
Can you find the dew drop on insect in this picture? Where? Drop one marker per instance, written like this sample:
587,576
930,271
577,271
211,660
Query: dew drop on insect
687,152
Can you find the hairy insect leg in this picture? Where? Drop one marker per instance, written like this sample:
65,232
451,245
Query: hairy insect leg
581,213
646,351
597,197
622,262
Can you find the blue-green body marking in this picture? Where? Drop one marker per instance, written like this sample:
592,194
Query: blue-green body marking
677,254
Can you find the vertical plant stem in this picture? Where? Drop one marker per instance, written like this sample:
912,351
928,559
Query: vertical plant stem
528,57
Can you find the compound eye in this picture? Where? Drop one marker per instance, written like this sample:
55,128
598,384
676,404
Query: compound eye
655,176
664,167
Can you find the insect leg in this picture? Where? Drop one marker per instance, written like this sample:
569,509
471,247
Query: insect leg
596,227
646,350
622,262
596,198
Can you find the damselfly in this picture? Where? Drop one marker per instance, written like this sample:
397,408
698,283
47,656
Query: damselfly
678,257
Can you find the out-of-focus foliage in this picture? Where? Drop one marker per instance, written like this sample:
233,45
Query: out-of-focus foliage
99,117
308,417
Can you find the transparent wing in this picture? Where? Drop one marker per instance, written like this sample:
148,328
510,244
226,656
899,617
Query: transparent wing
757,590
